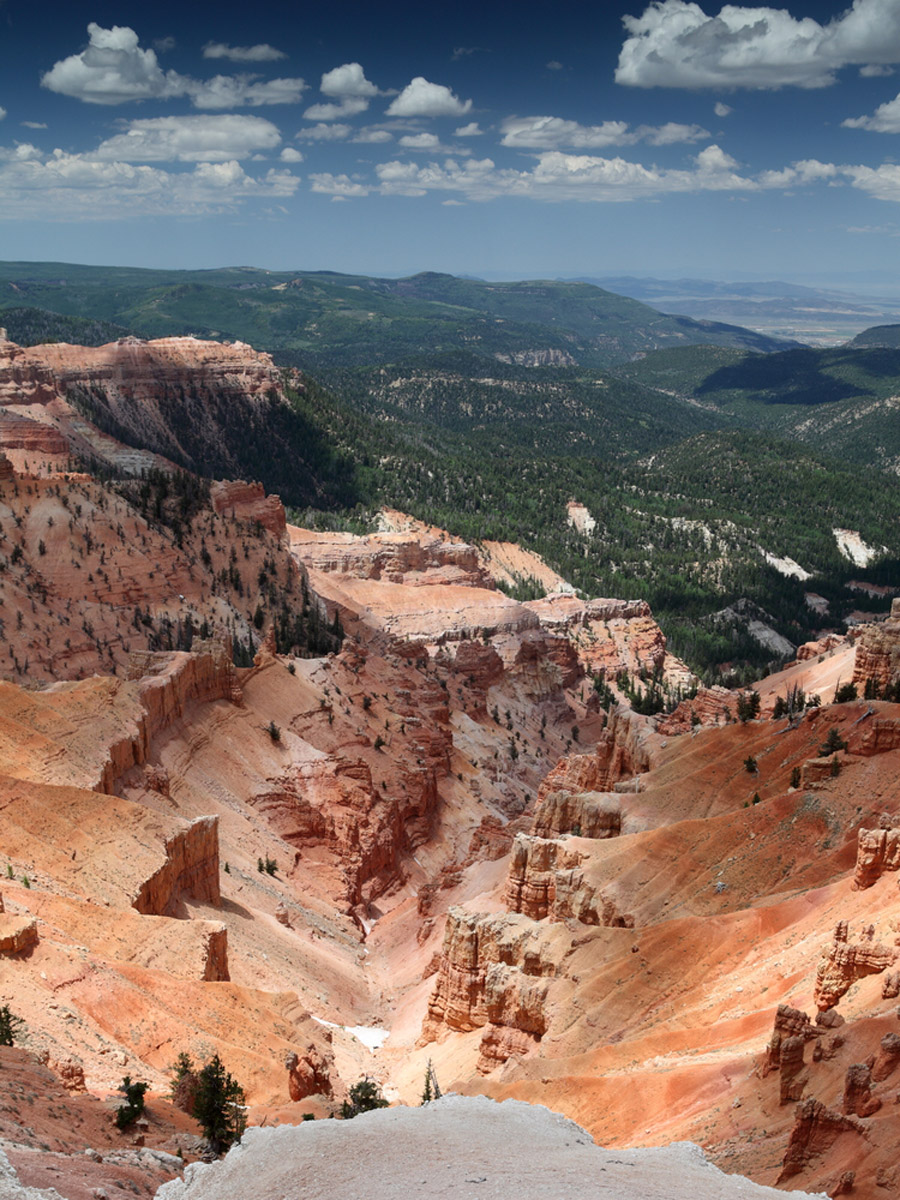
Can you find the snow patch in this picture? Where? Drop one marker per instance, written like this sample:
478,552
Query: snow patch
371,1036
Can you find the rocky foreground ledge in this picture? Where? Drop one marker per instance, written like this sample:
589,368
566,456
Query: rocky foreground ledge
456,1146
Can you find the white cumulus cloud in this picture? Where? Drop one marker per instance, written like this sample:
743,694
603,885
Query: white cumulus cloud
209,139
79,187
470,130
421,141
350,92
722,110
289,154
243,91
557,176
350,106
324,133
423,99
260,53
373,136
337,185
881,182
674,43
114,69
347,80
885,119
549,133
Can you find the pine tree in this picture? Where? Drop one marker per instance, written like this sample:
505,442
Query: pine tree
10,1025
219,1106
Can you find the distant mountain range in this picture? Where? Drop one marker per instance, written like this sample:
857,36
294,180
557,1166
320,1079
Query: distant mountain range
815,315
347,320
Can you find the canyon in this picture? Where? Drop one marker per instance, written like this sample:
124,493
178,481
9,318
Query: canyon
289,794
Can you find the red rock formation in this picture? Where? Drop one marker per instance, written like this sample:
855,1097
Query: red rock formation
842,963
492,972
789,1023
248,502
70,1073
711,706
132,382
815,771
17,933
534,867
793,1077
191,869
824,645
309,1071
544,664
584,814
333,803
879,735
887,1059
475,665
877,850
858,1098
167,683
845,1184
544,881
568,795
816,1129
878,652
413,558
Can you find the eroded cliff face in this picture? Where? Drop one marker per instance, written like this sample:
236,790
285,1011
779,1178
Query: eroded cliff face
878,653
335,805
494,975
143,393
191,869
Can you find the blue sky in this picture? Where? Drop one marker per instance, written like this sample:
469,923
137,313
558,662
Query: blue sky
483,138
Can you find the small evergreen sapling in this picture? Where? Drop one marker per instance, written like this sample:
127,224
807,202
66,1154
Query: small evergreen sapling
364,1097
10,1025
128,1113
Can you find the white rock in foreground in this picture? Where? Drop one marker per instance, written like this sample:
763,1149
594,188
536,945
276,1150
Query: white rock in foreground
458,1146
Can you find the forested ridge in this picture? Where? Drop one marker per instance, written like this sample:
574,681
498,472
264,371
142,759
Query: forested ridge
485,408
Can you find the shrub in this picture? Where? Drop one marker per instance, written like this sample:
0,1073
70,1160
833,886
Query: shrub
845,692
10,1025
273,731
364,1097
750,765
128,1113
832,743
748,706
